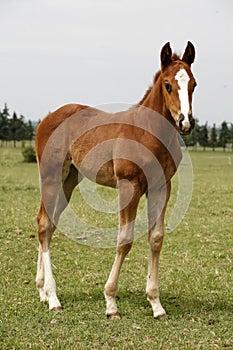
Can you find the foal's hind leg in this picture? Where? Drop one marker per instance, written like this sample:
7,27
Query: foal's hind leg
46,225
72,180
44,279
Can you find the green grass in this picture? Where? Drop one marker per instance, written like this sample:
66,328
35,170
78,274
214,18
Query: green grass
195,272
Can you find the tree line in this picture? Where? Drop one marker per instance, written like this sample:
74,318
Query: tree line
213,137
14,128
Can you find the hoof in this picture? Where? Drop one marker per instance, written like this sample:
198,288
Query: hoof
114,316
160,317
56,309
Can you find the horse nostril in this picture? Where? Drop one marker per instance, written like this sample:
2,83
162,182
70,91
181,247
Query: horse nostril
181,118
192,121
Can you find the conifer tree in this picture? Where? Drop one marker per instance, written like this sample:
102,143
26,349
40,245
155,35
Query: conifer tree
204,141
4,124
213,137
224,136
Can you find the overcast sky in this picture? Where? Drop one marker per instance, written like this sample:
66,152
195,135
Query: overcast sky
54,52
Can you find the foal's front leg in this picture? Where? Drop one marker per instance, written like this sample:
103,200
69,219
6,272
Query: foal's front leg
124,242
111,286
156,234
156,210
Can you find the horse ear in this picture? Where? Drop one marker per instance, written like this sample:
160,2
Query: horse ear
189,54
166,55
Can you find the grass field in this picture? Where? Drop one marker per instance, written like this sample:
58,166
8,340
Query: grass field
195,272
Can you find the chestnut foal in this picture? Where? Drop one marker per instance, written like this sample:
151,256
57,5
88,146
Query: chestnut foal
136,151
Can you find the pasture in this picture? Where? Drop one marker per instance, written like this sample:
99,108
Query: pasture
196,266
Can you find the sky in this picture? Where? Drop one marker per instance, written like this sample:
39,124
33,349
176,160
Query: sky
96,52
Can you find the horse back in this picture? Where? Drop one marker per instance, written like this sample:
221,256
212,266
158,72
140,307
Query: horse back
51,122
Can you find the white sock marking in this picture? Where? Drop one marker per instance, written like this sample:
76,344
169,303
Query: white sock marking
49,283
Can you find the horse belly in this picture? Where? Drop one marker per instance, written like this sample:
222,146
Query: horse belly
93,170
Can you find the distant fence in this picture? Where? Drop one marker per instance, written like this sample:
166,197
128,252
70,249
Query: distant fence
17,144
198,148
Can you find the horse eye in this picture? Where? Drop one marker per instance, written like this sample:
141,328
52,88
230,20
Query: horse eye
168,87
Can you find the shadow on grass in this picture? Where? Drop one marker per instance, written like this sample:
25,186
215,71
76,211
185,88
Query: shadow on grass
130,301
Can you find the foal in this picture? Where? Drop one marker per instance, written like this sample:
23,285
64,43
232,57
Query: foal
136,151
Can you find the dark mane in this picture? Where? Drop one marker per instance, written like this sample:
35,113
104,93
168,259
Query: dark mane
175,57
149,89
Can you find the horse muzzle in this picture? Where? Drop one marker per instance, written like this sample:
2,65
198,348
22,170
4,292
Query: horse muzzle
185,125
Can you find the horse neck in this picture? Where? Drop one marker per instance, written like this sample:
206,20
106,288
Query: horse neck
155,101
154,98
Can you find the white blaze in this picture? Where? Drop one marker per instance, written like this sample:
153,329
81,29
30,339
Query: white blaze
183,79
